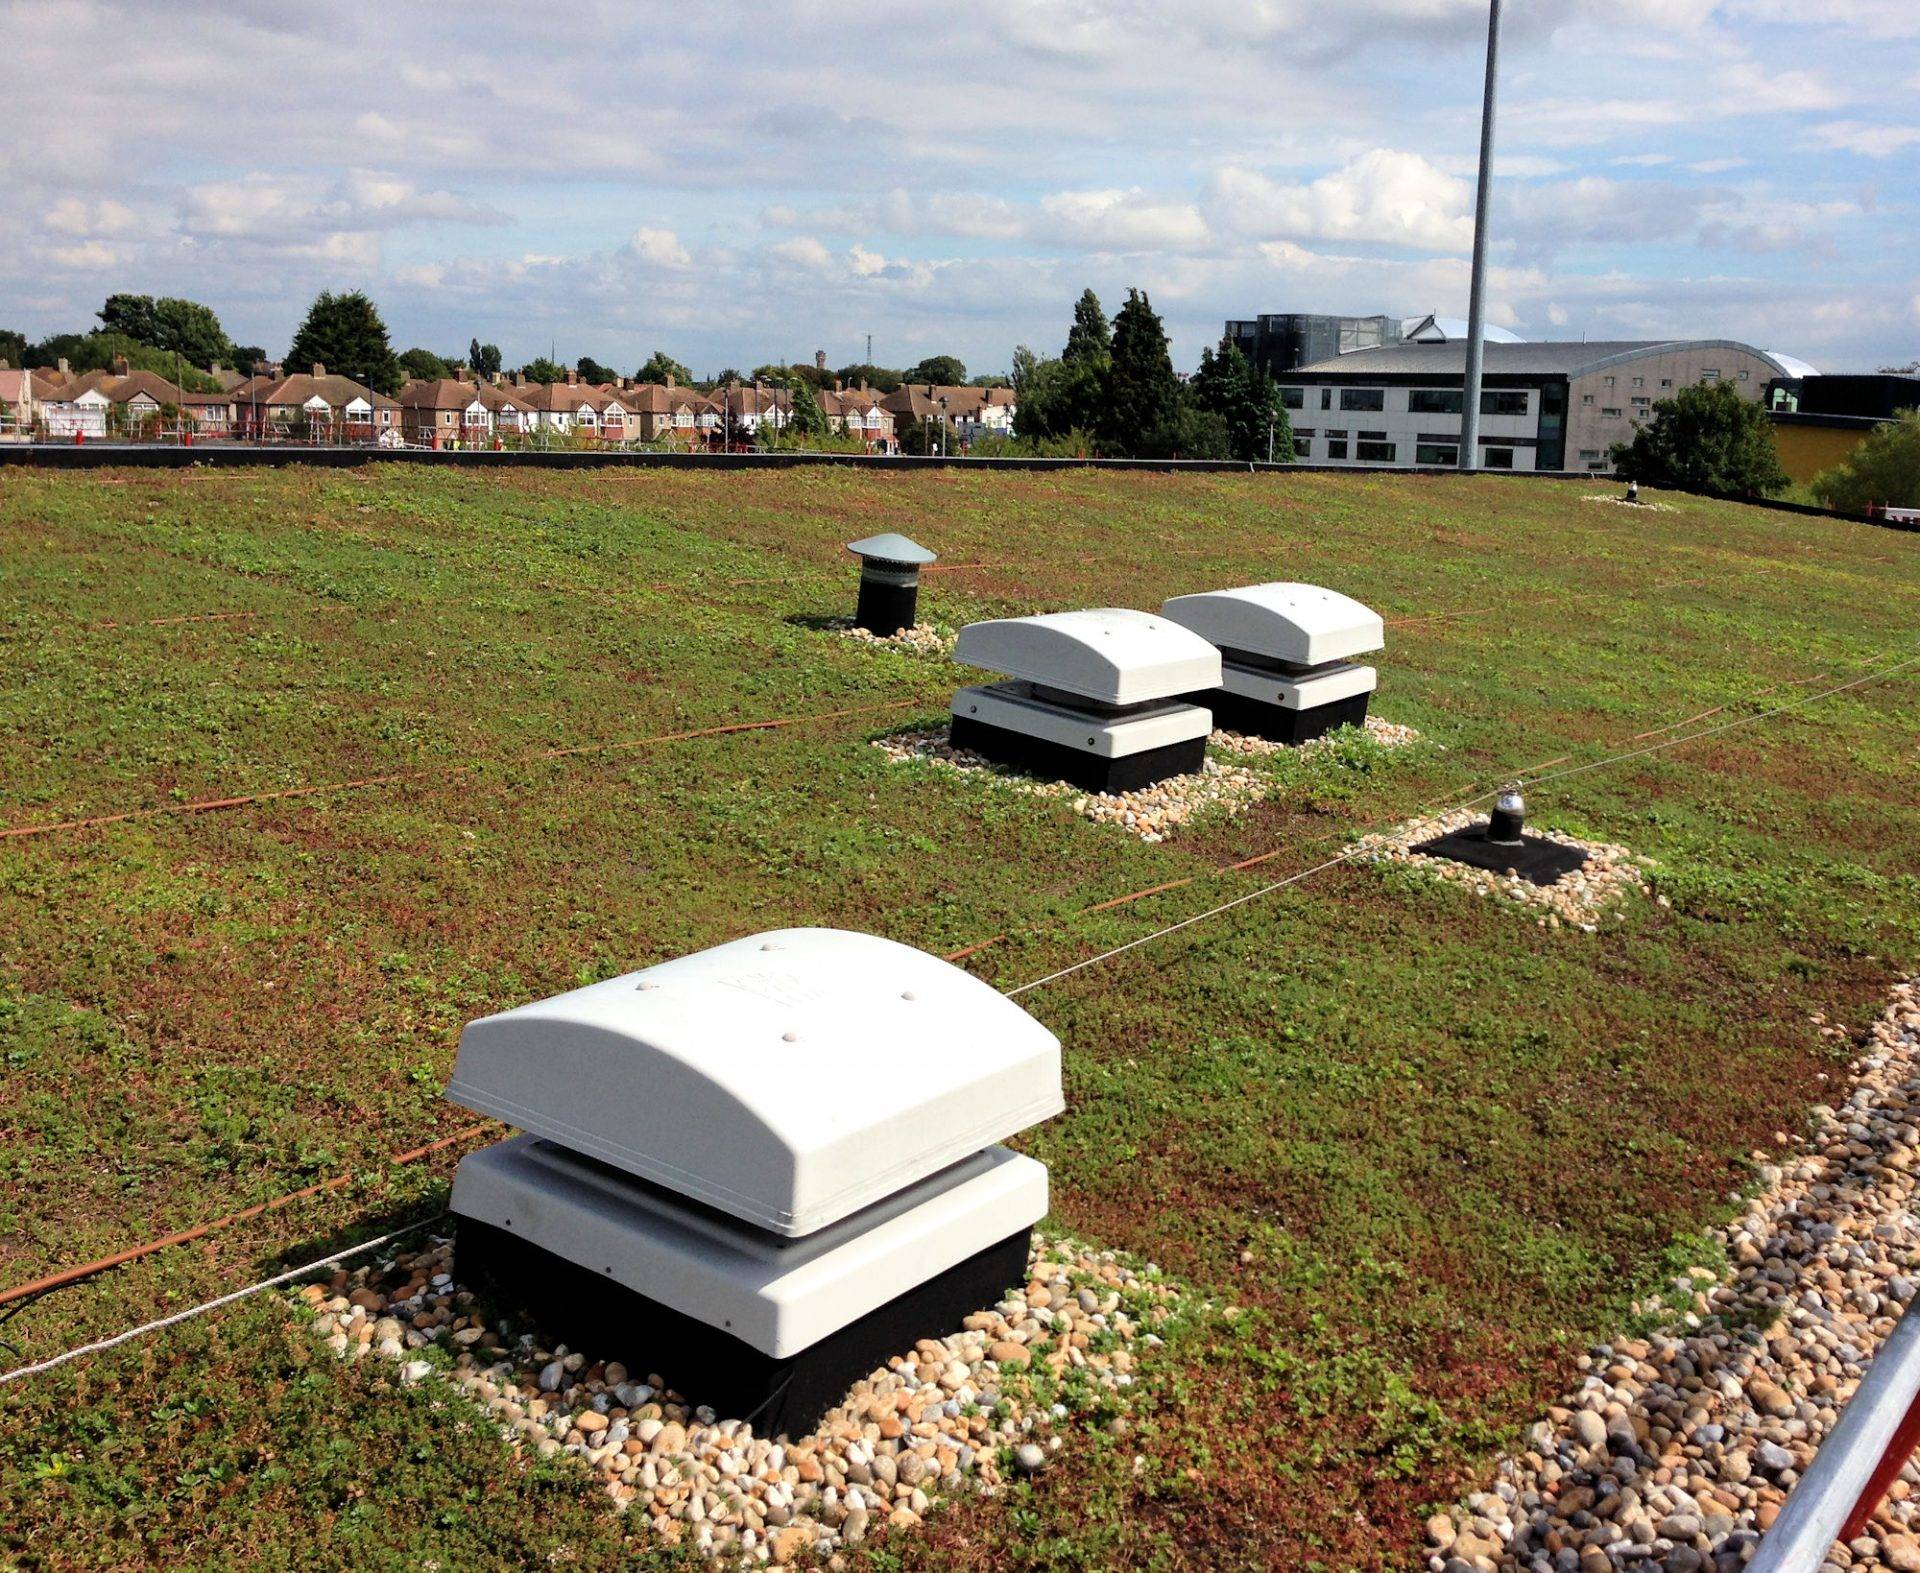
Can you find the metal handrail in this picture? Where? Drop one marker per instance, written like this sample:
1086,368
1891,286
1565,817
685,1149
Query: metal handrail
1867,1447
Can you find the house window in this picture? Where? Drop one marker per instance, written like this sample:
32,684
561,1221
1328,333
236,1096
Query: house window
1434,401
1434,454
1498,459
1336,447
1504,401
1293,398
1363,398
1374,452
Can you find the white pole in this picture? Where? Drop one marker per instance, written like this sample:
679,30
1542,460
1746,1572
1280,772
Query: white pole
1477,302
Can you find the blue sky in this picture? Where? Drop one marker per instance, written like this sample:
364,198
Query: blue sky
742,183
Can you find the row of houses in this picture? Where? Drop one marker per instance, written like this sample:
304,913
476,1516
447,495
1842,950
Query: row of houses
475,412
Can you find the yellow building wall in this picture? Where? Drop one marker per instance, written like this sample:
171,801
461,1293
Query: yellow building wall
1807,450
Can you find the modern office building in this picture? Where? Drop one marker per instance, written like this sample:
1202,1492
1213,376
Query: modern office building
1818,421
1543,406
1280,342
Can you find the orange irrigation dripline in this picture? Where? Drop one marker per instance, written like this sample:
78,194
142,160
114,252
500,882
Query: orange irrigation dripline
208,805
167,622
68,1275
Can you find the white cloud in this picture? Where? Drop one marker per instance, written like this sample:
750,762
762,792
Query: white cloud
1383,196
1869,141
1779,92
661,247
76,216
1130,220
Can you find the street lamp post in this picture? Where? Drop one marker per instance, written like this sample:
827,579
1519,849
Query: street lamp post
1477,301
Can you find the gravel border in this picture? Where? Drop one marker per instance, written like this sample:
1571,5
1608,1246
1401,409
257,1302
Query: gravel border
1150,813
920,639
990,1403
1677,1448
1580,899
1387,734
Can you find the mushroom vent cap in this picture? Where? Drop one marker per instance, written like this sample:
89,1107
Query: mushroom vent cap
891,548
788,1079
1110,655
1304,624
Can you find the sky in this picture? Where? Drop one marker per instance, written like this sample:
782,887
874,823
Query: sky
741,183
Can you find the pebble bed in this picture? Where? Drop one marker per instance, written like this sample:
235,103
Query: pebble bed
920,639
1580,899
1677,1449
1149,813
993,1402
1623,502
1386,733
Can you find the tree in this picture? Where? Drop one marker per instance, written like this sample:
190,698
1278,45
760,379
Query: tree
881,379
180,327
1705,438
483,358
1246,399
940,370
1089,340
248,356
662,367
1142,403
1883,472
132,315
541,369
592,371
13,347
344,332
722,378
806,420
424,365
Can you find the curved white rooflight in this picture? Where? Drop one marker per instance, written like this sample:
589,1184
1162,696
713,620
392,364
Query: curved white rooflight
788,1079
1111,656
1301,624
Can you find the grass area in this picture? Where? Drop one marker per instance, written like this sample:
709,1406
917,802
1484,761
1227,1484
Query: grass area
1427,1146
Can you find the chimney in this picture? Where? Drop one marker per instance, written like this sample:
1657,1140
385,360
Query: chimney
669,379
573,378
839,386
120,366
519,379
216,371
277,369
64,369
819,360
319,370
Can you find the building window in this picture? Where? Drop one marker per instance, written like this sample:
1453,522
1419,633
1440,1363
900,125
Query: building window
1303,447
1374,452
1711,374
1743,376
1434,454
1336,447
1600,464
1293,398
1504,401
1434,401
1639,382
1363,398
1326,398
1607,382
1498,459
1373,436
1642,404
1610,412
1588,455
1586,400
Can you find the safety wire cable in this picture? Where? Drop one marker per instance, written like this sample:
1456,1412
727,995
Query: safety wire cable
1880,674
